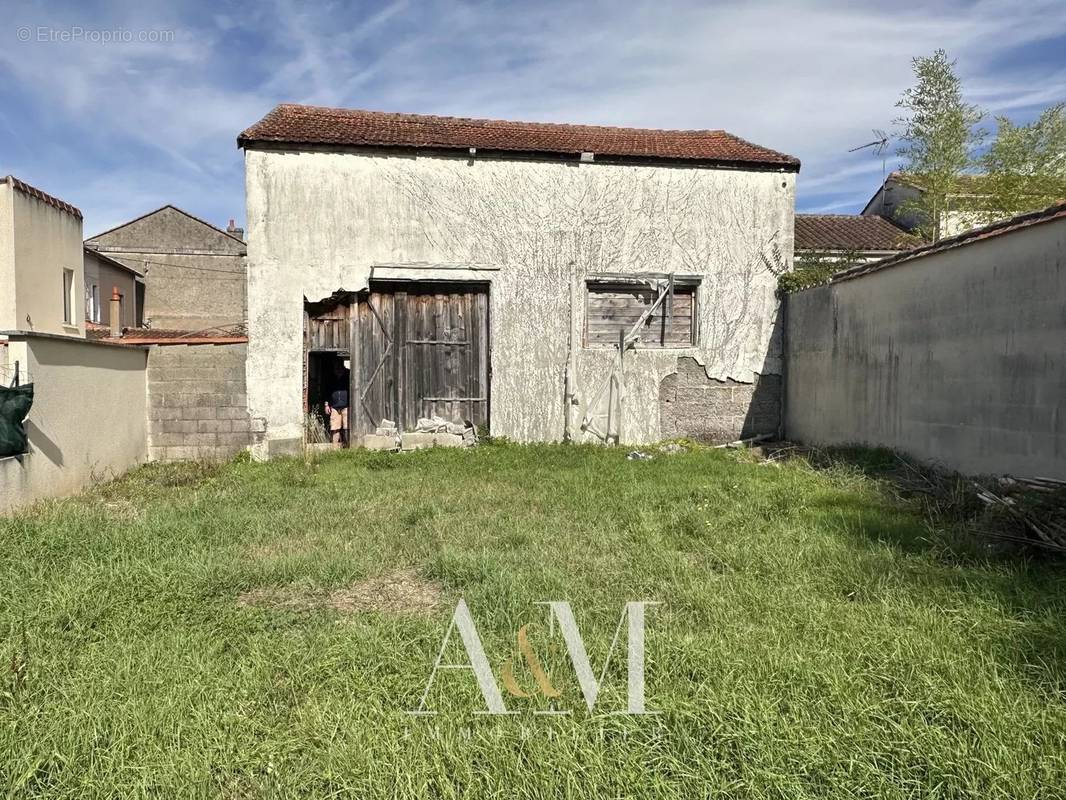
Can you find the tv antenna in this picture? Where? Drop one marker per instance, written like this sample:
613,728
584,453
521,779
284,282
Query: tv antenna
880,146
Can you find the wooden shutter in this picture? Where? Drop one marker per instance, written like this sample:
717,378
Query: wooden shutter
612,308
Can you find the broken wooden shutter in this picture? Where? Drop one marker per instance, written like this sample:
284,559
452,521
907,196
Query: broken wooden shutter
617,307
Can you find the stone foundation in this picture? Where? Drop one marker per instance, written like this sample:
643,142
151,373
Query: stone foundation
693,406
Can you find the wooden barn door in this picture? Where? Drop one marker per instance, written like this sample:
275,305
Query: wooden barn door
420,350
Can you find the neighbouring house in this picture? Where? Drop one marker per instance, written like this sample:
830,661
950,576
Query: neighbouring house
193,273
953,352
546,282
849,237
88,415
41,270
105,280
893,198
193,315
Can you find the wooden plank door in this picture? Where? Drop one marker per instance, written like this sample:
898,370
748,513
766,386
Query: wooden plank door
422,351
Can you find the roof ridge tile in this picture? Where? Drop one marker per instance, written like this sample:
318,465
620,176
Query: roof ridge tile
290,123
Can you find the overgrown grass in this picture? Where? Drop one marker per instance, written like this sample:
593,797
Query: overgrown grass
817,638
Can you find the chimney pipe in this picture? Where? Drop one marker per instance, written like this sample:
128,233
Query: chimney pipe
116,313
233,230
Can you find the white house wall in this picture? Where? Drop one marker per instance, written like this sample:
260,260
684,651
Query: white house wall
318,222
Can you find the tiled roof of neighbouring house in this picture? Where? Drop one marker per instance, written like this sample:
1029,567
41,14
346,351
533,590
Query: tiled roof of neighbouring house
37,194
224,334
1020,222
833,232
296,124
238,332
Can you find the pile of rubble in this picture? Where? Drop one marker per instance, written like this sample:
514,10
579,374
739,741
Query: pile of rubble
1037,505
428,432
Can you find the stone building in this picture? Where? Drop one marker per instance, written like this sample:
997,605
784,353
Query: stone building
193,272
543,281
193,313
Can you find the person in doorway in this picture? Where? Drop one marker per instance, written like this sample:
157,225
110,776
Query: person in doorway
337,407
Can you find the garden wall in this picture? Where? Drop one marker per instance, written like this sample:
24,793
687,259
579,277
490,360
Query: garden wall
197,402
957,356
87,423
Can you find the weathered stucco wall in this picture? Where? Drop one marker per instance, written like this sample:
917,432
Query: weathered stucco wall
87,423
958,357
319,222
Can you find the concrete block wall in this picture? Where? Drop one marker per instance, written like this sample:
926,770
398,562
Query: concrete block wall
197,402
693,406
956,357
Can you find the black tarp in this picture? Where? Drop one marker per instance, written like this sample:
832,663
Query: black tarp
14,406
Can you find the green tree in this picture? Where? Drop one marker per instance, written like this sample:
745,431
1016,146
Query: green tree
816,268
1025,167
938,139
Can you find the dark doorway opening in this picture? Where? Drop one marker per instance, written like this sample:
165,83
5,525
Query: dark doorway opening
328,402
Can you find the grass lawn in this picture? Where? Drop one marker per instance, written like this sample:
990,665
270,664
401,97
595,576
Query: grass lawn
209,631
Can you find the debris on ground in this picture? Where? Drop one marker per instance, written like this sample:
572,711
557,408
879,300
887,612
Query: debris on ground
400,592
1028,511
741,444
672,448
386,428
1038,505
639,455
427,432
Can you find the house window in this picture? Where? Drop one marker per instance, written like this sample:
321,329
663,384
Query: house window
69,313
666,318
92,303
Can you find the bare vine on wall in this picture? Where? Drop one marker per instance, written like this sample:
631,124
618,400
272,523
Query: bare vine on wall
552,220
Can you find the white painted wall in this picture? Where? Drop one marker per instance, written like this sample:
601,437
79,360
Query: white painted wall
319,221
37,242
891,203
958,357
7,259
88,420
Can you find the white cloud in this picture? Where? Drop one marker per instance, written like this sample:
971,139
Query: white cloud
146,124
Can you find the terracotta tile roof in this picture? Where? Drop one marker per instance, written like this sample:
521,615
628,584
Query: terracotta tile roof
226,334
828,232
55,202
297,124
1020,222
94,330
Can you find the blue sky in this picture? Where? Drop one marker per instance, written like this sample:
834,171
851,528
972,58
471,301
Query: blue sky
121,127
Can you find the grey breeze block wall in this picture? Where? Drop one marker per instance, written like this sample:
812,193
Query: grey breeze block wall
957,357
197,402
693,406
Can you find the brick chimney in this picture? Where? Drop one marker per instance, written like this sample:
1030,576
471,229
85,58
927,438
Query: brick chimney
233,230
116,313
